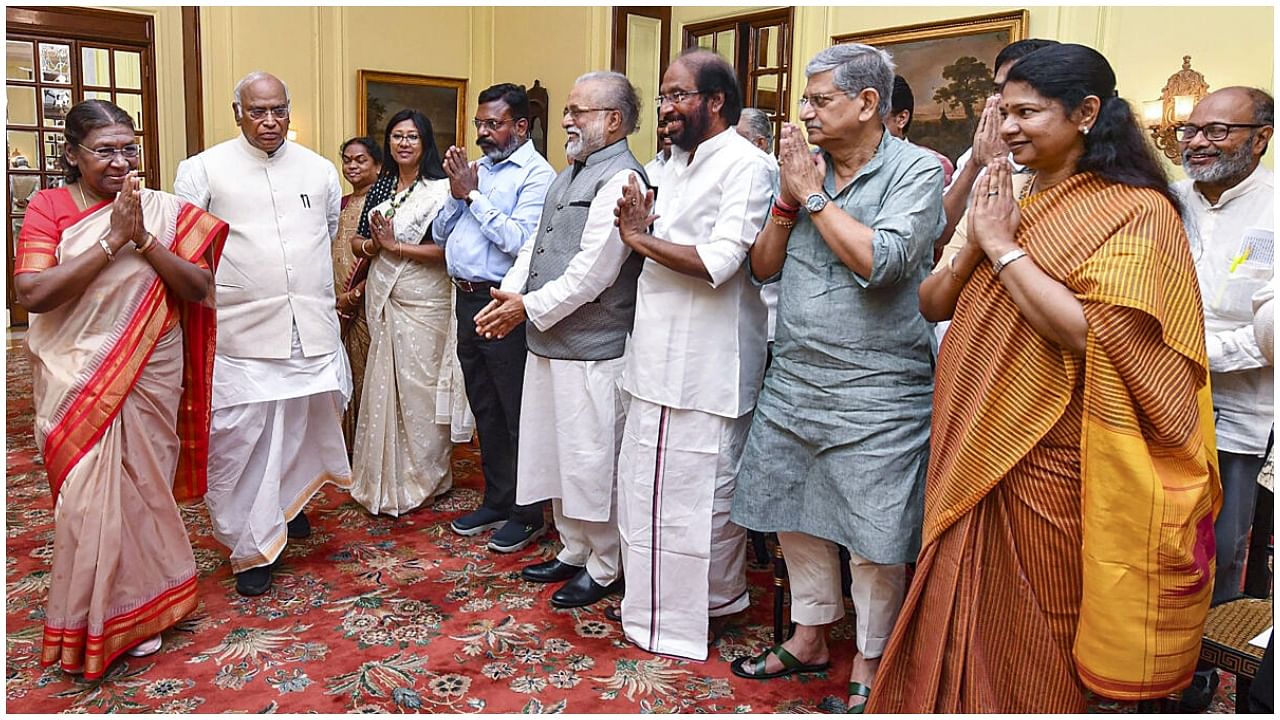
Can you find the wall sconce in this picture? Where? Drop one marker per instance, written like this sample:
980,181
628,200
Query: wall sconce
1179,97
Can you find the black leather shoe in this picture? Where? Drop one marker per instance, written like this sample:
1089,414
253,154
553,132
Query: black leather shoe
299,527
254,581
582,591
614,613
550,571
1199,695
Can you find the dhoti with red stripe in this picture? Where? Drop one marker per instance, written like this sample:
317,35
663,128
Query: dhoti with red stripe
684,561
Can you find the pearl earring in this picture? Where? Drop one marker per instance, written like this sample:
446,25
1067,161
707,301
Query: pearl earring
1084,129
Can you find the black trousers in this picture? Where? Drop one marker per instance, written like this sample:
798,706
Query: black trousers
494,375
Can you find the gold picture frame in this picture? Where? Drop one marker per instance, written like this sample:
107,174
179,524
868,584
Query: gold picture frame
947,65
442,99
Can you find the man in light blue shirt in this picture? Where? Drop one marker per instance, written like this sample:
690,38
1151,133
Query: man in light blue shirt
494,210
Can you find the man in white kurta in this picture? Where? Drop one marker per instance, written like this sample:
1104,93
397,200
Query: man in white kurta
280,376
693,366
576,284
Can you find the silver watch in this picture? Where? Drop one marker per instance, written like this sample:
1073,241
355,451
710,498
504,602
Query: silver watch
815,203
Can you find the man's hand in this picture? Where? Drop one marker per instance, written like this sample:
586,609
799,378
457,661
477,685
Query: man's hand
463,176
987,143
802,172
503,313
633,216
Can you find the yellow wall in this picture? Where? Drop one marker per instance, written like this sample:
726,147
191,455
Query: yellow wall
318,50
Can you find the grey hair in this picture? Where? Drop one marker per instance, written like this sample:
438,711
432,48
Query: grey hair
621,93
758,123
251,78
857,67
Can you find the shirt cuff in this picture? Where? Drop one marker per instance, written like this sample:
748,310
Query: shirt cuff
720,263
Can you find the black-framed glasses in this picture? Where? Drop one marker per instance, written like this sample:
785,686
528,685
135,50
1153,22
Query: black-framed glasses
279,113
1213,132
491,125
410,138
109,153
677,97
577,111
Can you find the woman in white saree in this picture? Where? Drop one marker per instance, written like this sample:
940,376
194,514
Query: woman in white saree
414,405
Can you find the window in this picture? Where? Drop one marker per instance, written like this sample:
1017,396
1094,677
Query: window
759,48
55,58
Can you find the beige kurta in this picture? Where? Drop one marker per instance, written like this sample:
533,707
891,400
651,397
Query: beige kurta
414,400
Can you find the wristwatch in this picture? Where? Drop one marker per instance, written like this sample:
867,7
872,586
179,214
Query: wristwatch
473,196
815,203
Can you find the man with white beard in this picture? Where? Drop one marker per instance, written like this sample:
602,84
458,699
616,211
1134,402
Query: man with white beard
1228,205
576,284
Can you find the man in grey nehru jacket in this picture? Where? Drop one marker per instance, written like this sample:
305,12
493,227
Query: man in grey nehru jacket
576,284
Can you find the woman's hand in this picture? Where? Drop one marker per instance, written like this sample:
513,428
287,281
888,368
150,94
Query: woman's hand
126,214
349,302
993,213
801,172
383,231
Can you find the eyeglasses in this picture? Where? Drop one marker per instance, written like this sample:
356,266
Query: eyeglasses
819,100
109,153
491,125
576,111
411,138
279,113
676,97
1213,132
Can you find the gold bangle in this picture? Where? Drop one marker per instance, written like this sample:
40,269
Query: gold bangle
364,247
146,245
782,222
398,253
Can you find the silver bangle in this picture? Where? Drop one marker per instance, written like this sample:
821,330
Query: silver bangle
106,247
1004,260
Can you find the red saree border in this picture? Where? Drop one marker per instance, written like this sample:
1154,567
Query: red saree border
91,412
75,649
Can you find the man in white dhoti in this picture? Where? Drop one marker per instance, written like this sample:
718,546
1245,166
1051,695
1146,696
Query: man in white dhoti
576,283
280,376
693,366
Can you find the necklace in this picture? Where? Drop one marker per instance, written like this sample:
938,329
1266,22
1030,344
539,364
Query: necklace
1026,189
397,202
83,200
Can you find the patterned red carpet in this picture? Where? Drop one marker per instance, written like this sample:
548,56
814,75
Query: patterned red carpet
380,615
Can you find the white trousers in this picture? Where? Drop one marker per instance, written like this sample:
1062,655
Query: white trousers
266,460
684,560
593,545
813,571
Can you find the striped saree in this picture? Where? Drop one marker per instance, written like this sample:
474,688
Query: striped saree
1068,529
121,379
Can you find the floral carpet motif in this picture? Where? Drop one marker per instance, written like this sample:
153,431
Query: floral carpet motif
375,614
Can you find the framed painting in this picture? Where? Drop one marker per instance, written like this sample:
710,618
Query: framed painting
949,66
442,100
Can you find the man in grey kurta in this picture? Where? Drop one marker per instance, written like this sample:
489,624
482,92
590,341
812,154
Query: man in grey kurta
838,447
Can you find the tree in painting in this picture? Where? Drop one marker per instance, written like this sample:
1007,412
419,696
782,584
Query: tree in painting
970,84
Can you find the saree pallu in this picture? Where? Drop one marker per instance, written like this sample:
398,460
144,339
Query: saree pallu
348,273
121,380
1068,529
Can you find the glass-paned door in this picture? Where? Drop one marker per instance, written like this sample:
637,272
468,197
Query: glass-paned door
44,77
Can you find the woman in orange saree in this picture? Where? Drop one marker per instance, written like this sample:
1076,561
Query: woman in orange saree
1068,528
122,356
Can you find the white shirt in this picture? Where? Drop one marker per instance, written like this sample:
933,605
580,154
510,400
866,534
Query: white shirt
1243,382
276,270
655,169
700,345
591,271
964,159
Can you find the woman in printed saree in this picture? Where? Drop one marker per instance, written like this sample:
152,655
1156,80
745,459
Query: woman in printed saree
1068,531
361,165
119,281
413,406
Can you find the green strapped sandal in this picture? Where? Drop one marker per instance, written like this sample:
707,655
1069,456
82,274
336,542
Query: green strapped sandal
790,665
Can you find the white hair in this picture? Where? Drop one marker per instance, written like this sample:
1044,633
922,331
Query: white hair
622,95
857,67
251,78
758,121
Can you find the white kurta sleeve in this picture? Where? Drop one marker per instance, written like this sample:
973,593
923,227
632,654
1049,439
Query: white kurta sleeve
192,183
593,269
744,203
333,202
